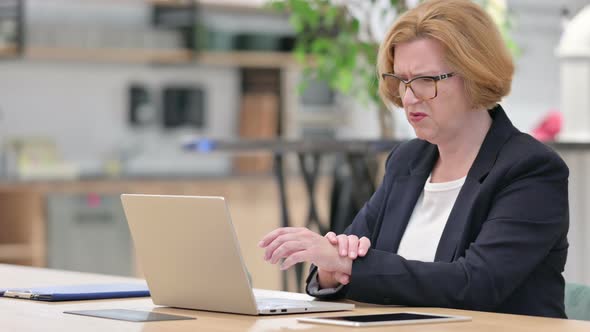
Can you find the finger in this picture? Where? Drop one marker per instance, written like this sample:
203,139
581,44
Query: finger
268,238
364,245
285,250
343,244
331,236
353,244
297,257
342,278
277,242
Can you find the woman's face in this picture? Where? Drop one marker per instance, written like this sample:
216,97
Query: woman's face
444,117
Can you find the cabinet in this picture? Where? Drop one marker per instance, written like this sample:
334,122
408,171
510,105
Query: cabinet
22,228
88,233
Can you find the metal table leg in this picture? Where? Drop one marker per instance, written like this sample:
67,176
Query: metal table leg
310,166
363,173
280,177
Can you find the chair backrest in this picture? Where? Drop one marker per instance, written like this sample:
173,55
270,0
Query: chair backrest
577,301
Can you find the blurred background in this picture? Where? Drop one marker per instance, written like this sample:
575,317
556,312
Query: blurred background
233,98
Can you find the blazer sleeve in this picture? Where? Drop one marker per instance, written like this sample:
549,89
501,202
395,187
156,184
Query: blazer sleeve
362,225
527,218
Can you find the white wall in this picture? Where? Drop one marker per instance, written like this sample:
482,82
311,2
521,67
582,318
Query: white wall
537,30
577,267
83,107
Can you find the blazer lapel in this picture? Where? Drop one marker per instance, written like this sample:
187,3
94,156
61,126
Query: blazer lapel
498,134
458,220
404,194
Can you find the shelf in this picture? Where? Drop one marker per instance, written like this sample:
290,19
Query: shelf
256,59
256,5
15,252
253,59
107,55
179,3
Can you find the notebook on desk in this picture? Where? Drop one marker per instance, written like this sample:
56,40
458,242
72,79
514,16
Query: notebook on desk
78,292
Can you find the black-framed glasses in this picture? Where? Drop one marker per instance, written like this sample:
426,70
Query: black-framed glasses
423,87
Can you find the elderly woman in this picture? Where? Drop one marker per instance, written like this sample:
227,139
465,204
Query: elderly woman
472,214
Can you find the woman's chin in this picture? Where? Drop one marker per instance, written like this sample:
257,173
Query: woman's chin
423,134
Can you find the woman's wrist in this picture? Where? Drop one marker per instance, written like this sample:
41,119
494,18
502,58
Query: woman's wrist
326,279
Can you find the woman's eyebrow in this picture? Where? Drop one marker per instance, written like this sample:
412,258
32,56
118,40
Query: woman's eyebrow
405,77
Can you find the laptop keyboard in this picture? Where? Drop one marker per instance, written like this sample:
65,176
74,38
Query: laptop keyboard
270,303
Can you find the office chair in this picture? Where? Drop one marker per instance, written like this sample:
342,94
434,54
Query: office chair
577,301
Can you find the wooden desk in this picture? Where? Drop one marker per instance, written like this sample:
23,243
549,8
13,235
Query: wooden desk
24,315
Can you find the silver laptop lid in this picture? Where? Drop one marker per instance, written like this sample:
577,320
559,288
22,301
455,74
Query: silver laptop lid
189,253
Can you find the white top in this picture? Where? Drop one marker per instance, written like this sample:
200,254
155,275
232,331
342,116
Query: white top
426,225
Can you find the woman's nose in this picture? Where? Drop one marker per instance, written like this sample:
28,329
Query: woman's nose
409,97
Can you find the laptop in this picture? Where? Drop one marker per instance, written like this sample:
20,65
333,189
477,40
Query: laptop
190,256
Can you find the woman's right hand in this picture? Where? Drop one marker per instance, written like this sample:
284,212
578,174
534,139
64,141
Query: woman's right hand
348,245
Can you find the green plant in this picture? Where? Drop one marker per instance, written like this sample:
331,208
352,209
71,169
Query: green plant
327,44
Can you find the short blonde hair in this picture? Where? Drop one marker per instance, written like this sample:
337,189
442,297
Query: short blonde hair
474,48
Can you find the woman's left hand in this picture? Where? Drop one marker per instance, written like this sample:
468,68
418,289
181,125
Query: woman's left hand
299,244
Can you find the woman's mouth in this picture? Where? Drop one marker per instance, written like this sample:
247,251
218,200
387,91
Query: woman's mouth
416,116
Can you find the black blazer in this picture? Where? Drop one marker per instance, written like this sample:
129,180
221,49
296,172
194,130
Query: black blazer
504,246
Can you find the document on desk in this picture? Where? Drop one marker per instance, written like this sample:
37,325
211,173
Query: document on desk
78,292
